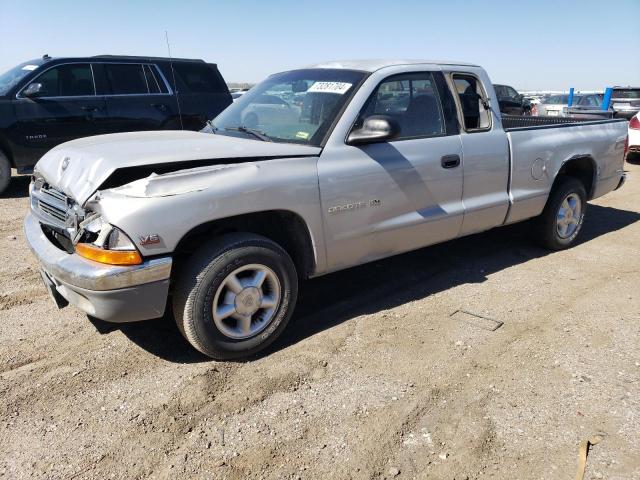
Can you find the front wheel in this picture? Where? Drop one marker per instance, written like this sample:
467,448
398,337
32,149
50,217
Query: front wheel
235,296
562,218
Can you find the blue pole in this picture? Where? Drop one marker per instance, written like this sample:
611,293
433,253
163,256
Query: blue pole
570,101
607,98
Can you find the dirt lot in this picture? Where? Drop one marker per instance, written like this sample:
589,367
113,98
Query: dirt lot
374,377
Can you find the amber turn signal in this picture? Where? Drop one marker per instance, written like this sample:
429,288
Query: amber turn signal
111,257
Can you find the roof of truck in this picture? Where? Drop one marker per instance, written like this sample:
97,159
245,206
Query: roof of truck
372,65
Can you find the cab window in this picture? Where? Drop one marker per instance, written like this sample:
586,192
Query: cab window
73,80
412,100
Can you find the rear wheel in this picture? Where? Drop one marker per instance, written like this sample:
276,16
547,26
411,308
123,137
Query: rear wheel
5,173
561,221
235,296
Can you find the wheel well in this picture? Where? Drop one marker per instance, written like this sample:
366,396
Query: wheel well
581,168
285,228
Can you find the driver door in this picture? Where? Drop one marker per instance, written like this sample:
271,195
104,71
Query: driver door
385,198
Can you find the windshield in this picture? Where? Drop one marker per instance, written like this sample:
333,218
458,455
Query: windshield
292,107
10,79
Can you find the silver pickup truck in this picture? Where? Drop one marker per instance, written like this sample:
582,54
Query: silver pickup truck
311,171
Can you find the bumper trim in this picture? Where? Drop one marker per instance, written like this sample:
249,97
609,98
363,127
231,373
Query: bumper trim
86,274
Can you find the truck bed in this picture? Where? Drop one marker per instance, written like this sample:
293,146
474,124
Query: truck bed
539,146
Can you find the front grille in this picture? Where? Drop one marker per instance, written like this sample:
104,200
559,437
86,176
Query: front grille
54,194
53,211
53,207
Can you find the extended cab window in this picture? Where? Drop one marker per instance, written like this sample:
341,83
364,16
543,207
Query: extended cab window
74,80
126,78
472,102
412,100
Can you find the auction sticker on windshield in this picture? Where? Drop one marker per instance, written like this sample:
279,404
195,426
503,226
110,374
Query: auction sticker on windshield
330,87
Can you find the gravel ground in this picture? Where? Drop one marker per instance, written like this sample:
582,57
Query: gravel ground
374,379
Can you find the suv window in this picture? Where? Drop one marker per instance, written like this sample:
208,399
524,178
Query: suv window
511,93
154,81
412,100
73,80
126,78
633,94
472,100
198,77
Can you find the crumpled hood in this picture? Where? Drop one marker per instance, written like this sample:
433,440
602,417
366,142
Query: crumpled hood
79,167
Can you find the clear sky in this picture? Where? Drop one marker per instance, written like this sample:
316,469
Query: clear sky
544,44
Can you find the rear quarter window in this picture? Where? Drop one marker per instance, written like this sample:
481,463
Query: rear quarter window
198,78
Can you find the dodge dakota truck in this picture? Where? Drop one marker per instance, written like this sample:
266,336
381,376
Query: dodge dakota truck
311,171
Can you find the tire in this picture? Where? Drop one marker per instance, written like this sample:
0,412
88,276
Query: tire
5,173
206,279
549,227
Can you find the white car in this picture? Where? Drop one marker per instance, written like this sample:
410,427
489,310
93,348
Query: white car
555,105
634,136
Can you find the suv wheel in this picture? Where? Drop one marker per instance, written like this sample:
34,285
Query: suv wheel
235,296
563,216
5,172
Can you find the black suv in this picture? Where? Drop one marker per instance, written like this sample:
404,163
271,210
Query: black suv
49,101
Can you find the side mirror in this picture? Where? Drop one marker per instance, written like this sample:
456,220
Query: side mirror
376,128
33,90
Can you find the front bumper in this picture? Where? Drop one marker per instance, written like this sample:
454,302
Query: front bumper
111,293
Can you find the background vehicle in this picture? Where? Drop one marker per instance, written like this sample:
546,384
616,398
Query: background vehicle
373,166
511,102
269,108
556,105
625,101
49,101
589,106
237,92
634,138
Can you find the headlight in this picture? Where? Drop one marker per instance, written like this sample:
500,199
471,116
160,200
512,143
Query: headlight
110,245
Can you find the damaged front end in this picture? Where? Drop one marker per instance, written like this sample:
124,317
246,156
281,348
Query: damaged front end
75,230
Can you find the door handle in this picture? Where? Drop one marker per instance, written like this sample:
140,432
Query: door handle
450,161
90,108
160,106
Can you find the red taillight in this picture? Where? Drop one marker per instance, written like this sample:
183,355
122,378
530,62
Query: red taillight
635,123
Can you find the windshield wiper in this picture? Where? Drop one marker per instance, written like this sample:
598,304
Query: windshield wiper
256,133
